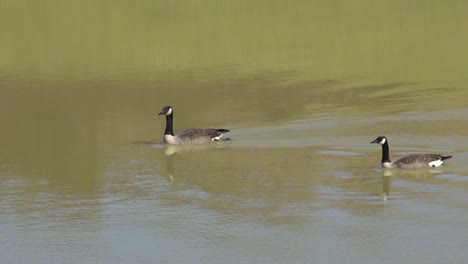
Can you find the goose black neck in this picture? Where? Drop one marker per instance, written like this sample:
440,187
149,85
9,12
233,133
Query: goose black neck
385,152
169,125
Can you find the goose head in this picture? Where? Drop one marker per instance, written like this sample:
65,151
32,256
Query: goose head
167,110
380,140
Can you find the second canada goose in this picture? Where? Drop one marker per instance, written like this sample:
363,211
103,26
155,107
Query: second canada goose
412,161
188,136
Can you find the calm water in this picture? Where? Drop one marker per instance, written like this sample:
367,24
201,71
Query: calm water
303,87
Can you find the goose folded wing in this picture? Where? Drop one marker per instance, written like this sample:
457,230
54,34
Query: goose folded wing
419,158
194,133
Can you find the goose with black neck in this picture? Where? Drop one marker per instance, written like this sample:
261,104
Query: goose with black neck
412,161
189,136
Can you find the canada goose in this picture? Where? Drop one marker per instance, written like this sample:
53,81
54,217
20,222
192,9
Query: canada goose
188,136
412,161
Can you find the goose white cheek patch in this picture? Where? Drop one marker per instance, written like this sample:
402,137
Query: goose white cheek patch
169,112
383,141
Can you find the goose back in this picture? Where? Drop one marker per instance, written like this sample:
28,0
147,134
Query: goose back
418,161
199,135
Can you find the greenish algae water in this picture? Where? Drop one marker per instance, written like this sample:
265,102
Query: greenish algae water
304,86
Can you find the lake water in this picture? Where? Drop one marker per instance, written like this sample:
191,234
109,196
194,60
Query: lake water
303,86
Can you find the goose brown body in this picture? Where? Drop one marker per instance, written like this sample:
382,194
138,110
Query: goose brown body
419,161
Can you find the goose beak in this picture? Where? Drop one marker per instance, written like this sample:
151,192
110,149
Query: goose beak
161,113
375,141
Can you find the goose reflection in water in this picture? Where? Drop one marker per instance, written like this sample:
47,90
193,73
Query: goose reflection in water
171,151
410,175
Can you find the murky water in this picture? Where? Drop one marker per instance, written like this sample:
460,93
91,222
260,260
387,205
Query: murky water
84,177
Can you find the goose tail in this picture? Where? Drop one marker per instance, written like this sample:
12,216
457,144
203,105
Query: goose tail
445,157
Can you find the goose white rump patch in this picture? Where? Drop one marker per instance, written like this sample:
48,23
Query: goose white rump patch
435,163
217,138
